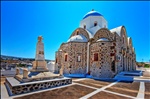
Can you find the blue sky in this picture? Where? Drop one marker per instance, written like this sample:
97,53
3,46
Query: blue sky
23,21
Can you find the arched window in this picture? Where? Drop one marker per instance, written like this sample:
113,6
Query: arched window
84,26
95,23
95,56
66,56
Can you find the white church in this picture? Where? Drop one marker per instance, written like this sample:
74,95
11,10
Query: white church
94,49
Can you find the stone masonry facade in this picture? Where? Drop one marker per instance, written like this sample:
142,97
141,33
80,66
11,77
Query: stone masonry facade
99,58
114,56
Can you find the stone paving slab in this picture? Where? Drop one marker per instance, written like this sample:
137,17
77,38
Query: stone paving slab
98,90
93,83
147,90
13,81
123,95
131,89
128,89
86,85
90,84
106,95
4,94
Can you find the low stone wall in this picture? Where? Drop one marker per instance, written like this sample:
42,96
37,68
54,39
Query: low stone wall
29,87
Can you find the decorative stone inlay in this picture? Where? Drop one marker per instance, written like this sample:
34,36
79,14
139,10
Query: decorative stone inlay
34,86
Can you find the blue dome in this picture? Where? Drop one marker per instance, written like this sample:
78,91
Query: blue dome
92,13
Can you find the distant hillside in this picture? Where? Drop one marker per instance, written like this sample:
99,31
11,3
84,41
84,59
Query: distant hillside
143,64
19,58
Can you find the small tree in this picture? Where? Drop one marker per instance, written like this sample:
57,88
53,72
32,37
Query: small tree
147,65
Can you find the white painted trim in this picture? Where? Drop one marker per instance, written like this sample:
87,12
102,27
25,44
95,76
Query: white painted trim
80,79
97,91
141,91
86,86
88,56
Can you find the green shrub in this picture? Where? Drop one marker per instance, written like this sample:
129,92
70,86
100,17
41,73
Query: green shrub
147,65
21,65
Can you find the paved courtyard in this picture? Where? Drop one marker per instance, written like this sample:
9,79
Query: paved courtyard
93,89
85,88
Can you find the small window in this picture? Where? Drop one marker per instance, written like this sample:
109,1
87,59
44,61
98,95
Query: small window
77,32
112,54
56,60
79,59
112,47
113,66
96,57
66,56
43,52
95,23
123,39
84,26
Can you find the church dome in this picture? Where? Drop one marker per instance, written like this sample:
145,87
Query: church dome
78,38
92,13
102,39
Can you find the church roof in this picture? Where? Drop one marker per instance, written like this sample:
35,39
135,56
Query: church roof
117,30
103,39
51,62
78,38
92,13
128,39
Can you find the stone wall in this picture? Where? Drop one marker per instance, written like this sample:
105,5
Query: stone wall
102,68
117,51
25,88
72,65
